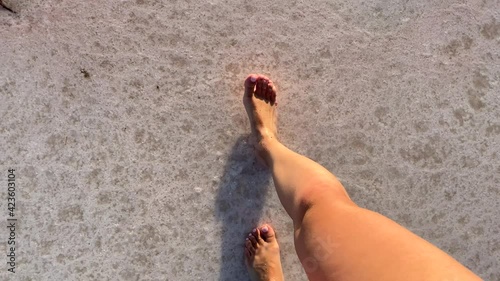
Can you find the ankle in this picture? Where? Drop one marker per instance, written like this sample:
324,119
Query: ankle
267,143
264,147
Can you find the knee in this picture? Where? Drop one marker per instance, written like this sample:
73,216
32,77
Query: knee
321,191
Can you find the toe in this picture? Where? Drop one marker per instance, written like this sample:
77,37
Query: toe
258,88
264,77
247,242
253,240
249,257
270,93
273,93
248,254
250,82
248,246
250,85
258,236
265,93
267,233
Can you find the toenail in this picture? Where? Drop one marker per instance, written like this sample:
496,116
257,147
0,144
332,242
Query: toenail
249,235
253,79
254,230
265,229
246,239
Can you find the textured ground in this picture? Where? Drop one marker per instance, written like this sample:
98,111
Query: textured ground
124,122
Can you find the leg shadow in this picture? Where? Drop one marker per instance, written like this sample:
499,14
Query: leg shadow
239,204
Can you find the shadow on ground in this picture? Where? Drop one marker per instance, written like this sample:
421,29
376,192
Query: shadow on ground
239,206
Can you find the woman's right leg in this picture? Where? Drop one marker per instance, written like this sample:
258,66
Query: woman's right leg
334,238
337,240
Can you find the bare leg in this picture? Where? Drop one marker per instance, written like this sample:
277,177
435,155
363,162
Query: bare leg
334,238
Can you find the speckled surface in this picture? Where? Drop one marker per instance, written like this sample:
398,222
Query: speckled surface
124,122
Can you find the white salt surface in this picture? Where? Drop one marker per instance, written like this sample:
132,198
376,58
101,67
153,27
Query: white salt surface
124,122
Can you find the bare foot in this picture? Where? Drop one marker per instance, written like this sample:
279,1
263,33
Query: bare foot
260,104
262,255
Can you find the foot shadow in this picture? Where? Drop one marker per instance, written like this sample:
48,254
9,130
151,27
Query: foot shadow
239,204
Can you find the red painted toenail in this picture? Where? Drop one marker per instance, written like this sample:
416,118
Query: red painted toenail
253,79
265,229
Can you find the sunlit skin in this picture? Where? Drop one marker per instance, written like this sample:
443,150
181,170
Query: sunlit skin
334,238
